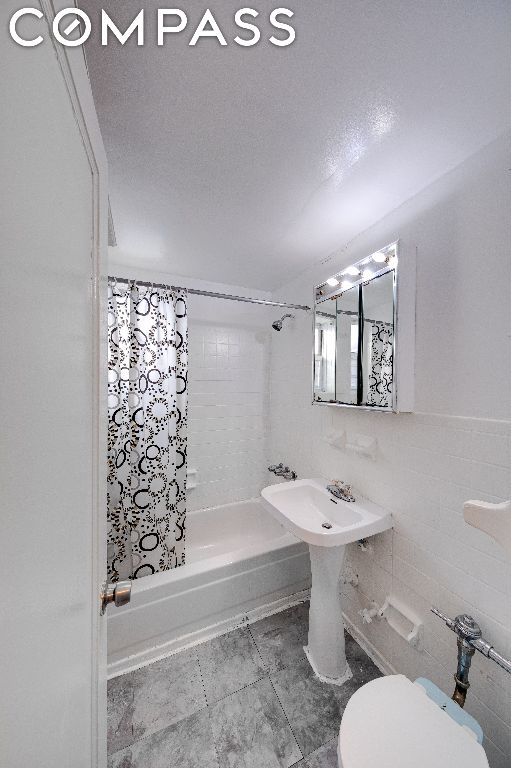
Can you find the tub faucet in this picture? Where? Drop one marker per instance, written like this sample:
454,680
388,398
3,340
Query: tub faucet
281,471
340,490
287,474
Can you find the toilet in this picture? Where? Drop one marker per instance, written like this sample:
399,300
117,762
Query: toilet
394,723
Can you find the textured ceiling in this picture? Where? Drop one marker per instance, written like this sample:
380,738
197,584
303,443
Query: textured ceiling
244,165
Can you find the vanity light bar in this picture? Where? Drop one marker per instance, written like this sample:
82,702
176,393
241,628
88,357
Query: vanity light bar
361,271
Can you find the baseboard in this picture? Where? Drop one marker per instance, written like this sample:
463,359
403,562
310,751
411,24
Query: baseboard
169,648
138,660
381,662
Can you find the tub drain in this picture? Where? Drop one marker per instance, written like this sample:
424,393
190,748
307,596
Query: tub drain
326,525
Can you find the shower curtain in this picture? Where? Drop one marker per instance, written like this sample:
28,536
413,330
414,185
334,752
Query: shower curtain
380,369
147,420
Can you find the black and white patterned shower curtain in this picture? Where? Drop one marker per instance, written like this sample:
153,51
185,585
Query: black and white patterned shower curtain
147,423
380,373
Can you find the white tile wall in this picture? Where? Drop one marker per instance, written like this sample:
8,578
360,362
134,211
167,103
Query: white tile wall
228,411
426,466
428,463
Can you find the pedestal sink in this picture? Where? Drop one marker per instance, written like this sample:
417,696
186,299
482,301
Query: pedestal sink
327,524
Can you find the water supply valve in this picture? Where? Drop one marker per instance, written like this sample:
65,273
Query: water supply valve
368,614
470,640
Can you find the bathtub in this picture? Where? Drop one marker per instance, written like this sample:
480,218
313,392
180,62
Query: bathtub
240,565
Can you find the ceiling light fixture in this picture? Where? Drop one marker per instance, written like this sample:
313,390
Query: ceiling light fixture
351,270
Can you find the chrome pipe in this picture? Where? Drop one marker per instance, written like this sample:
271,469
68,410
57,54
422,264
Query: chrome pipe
484,647
470,640
213,294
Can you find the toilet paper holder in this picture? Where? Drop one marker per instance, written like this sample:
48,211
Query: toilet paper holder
403,621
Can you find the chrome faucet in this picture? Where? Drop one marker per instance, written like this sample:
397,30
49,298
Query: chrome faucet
340,490
281,471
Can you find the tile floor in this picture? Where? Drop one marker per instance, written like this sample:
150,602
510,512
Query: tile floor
247,699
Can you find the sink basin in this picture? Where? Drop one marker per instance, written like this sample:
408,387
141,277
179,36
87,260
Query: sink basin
327,524
306,509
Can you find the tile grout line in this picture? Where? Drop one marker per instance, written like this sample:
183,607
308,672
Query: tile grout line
241,626
276,694
169,725
303,757
148,736
254,682
207,708
238,690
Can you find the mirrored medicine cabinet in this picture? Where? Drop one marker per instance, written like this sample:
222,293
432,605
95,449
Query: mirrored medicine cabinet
355,330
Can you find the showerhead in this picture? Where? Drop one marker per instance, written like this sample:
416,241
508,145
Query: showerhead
277,325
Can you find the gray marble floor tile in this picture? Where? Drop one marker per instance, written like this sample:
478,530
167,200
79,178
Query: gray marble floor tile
165,692
120,712
186,744
314,709
280,638
229,663
324,757
361,665
251,730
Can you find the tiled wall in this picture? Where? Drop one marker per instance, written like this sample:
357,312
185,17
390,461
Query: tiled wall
428,463
228,410
426,467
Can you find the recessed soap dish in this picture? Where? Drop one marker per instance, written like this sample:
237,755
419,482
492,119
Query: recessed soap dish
403,621
362,445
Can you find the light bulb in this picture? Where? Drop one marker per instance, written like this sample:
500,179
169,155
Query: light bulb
393,262
332,282
379,257
346,284
367,274
351,270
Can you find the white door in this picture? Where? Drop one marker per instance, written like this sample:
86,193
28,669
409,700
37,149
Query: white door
52,531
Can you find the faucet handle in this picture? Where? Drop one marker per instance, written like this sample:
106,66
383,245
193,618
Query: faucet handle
338,483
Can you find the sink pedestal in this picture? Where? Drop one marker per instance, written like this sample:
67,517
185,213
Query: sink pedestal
327,524
325,649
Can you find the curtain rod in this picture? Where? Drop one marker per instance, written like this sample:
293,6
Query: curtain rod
214,295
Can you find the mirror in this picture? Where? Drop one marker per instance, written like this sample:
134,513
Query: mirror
354,334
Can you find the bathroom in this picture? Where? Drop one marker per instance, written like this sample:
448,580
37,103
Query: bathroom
305,246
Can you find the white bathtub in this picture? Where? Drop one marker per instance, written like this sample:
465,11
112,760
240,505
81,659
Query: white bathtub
240,564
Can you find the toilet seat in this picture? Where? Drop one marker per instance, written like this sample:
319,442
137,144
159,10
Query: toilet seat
391,723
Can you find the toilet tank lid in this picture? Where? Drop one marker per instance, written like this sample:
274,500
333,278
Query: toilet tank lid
391,723
451,708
